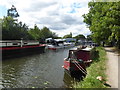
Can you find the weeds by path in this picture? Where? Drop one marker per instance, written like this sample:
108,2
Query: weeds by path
97,68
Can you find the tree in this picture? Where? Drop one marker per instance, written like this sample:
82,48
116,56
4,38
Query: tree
35,32
68,35
103,21
80,36
12,12
42,34
89,37
46,33
7,28
55,36
11,30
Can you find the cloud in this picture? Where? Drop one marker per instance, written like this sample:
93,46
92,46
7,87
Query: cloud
70,20
61,16
39,5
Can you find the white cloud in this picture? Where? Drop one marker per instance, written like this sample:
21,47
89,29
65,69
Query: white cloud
61,16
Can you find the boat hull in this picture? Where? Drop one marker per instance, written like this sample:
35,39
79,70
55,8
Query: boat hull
74,71
11,52
77,74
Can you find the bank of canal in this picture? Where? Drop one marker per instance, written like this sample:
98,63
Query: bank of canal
36,71
96,76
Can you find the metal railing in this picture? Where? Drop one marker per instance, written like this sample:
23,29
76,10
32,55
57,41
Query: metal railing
19,43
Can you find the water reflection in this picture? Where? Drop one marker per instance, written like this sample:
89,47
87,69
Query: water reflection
68,80
36,71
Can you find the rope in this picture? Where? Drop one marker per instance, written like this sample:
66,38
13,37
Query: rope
81,67
77,64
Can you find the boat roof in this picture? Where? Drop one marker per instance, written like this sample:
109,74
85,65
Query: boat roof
75,48
85,49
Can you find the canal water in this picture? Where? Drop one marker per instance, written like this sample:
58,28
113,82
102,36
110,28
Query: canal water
36,71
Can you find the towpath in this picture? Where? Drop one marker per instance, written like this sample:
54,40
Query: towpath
112,67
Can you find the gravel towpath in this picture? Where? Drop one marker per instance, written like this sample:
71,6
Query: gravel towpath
112,67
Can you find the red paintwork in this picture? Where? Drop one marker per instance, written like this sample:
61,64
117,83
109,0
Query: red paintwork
76,68
66,65
13,48
52,48
84,55
80,54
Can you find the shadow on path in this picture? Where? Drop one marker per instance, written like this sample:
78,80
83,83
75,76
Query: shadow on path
112,50
112,66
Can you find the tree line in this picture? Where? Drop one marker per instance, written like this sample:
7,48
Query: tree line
103,21
14,30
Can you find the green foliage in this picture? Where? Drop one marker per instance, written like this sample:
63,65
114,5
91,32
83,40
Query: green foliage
12,12
89,37
35,32
80,36
41,34
46,33
68,35
103,21
12,30
97,68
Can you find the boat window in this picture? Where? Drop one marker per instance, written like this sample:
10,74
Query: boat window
72,55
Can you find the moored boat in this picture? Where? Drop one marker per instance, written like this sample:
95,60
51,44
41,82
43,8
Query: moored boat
17,48
77,61
53,47
54,44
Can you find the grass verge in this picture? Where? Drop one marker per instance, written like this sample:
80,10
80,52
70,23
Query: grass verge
97,68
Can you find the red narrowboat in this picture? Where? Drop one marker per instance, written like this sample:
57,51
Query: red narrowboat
77,61
11,49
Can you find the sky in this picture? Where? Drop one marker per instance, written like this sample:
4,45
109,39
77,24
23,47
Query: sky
60,16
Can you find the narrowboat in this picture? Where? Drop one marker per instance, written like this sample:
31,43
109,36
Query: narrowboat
11,49
77,61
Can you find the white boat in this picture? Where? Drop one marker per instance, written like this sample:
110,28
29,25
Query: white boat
54,47
54,44
69,44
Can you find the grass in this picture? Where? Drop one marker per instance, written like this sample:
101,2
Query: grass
97,68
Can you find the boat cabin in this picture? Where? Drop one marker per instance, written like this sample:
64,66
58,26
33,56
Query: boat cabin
78,60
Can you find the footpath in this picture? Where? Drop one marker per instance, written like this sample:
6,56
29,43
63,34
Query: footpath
113,64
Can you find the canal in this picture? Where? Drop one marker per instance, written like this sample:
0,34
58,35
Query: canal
36,71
